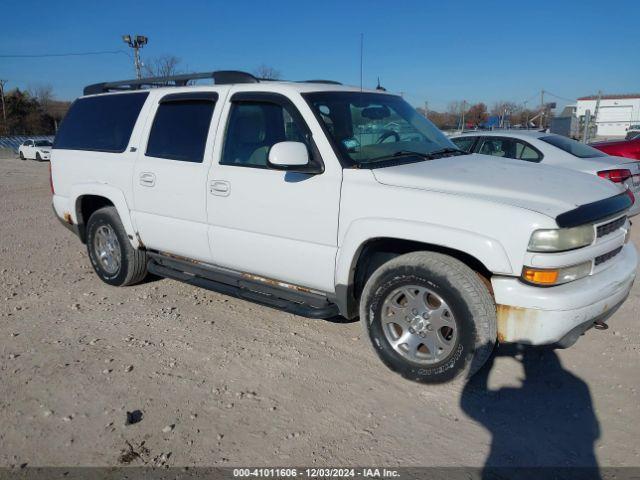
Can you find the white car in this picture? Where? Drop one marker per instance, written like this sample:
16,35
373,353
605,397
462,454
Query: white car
284,194
35,150
551,149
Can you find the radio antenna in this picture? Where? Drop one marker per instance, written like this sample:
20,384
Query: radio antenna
361,50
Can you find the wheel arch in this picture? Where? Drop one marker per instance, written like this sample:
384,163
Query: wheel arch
88,198
358,259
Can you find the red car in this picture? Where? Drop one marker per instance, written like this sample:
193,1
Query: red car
622,148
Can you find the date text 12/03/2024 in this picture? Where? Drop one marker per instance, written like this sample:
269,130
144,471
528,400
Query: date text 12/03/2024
316,472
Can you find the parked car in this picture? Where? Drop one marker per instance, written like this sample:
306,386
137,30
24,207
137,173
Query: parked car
559,151
35,150
260,190
633,132
621,148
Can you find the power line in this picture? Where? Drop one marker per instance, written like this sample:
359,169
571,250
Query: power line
559,97
74,54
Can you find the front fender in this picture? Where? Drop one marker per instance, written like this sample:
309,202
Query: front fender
112,194
486,250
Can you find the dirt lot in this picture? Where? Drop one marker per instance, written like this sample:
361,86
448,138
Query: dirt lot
220,381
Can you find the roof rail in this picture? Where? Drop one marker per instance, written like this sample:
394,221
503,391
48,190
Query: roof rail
330,82
220,77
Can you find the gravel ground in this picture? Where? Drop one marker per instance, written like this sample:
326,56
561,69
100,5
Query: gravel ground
212,380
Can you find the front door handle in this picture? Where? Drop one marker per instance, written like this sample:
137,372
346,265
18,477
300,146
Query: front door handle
220,187
147,179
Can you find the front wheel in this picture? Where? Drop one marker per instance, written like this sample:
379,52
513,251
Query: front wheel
113,257
429,317
38,157
22,156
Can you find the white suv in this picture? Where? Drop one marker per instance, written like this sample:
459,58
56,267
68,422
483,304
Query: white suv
326,200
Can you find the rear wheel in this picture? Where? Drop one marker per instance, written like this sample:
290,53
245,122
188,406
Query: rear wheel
429,317
113,257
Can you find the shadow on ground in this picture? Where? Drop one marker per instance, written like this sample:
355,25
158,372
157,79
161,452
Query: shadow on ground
548,420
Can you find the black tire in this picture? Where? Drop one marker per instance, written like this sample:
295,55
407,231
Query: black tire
22,156
132,266
38,157
472,307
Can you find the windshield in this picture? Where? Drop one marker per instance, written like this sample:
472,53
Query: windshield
577,149
43,143
372,127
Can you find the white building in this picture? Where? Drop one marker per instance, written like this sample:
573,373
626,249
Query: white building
615,113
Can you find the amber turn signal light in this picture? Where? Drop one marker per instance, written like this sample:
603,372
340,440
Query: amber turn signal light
540,277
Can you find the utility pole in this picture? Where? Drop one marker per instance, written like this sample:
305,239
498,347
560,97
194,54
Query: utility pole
595,112
542,109
464,107
587,122
526,113
136,42
4,111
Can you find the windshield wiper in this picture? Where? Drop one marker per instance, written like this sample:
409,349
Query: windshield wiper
447,151
426,156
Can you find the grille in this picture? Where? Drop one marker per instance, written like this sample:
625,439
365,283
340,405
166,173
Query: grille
607,256
611,227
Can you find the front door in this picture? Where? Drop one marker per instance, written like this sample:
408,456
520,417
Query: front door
170,175
276,224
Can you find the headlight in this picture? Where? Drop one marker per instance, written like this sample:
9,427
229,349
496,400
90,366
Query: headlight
562,239
557,276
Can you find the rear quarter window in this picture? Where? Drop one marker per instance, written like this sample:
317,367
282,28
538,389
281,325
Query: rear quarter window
102,123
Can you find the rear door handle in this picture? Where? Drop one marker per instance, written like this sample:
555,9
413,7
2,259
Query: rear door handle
147,179
220,187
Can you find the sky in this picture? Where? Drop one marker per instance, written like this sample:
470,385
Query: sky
431,51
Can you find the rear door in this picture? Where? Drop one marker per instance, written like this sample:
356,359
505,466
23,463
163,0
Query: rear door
170,175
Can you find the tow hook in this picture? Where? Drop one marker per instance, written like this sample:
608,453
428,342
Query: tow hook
600,325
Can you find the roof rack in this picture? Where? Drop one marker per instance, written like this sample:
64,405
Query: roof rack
330,82
220,77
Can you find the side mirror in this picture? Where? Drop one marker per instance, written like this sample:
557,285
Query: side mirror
292,157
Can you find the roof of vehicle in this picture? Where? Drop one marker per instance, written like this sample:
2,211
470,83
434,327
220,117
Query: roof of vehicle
523,134
271,86
225,77
613,96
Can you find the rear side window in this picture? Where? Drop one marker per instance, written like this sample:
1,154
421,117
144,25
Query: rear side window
577,149
509,148
103,123
180,129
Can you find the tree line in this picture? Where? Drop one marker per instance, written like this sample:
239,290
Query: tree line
31,112
476,114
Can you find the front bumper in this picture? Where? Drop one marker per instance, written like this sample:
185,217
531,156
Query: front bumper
544,316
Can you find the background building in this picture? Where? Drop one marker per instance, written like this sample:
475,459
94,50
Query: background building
612,114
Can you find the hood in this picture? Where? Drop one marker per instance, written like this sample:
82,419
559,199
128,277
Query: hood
540,188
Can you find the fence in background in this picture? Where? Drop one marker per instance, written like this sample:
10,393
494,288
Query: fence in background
12,143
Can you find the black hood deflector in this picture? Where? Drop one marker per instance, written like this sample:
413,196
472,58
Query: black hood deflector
592,212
